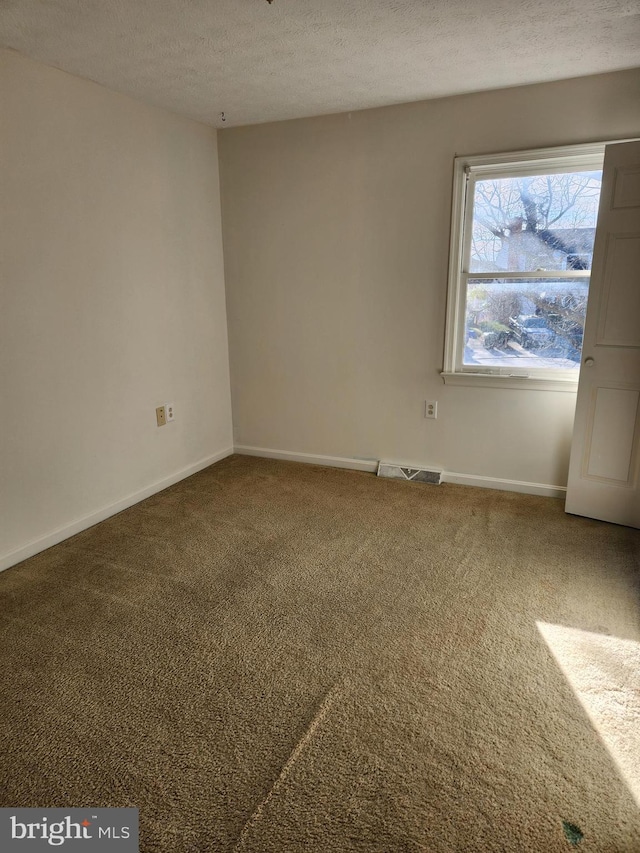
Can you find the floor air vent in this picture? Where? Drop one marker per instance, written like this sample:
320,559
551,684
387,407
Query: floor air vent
403,472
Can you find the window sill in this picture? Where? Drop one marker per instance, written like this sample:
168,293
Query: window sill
522,383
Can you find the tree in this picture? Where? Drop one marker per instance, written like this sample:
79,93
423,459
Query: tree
529,223
534,221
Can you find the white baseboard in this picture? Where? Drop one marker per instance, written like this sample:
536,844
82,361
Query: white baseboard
522,486
309,458
372,465
62,533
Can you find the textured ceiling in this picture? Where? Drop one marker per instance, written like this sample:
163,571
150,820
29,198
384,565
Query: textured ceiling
259,62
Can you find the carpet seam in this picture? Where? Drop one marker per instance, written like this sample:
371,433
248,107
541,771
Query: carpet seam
293,757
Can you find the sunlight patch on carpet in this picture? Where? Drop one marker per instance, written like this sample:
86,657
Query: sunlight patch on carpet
604,673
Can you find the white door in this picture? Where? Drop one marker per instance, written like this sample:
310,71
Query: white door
604,468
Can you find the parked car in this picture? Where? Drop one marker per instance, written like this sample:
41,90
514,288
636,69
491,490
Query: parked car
531,331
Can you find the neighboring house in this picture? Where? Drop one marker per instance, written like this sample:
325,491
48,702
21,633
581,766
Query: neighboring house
546,249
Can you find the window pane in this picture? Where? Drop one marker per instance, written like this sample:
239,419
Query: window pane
534,324
535,222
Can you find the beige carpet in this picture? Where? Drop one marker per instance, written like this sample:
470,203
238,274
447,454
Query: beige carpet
277,657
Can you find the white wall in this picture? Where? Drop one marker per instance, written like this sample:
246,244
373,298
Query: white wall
112,302
336,235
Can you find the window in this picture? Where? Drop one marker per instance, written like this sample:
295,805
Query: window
523,229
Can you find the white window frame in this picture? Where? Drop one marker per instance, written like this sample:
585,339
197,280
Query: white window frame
466,171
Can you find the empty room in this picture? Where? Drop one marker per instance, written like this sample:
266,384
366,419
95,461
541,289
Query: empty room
320,426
